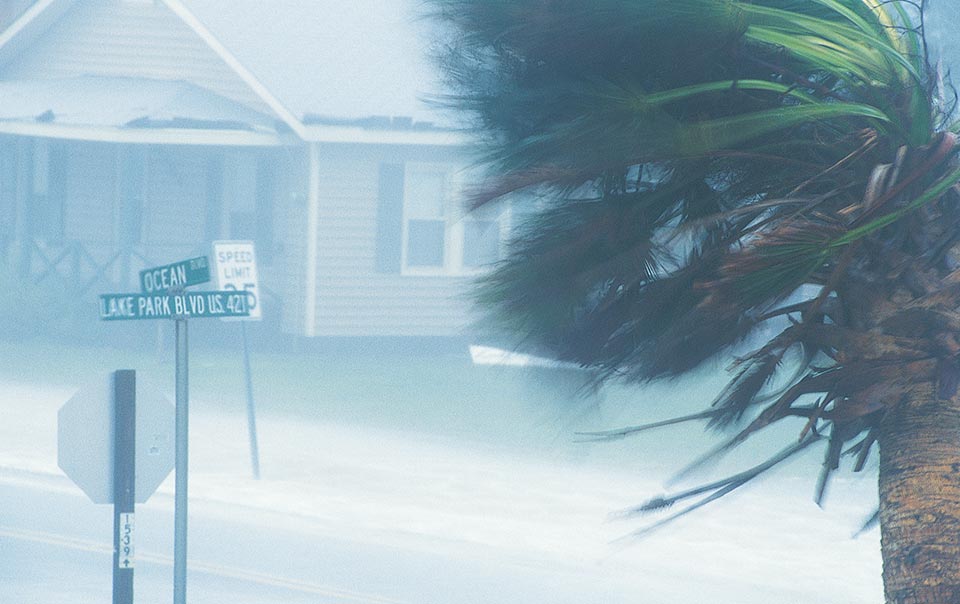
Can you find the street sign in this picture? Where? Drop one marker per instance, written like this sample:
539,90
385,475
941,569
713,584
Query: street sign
121,307
235,263
163,296
85,440
236,269
159,279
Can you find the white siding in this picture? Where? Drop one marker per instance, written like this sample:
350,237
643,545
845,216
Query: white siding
352,298
128,39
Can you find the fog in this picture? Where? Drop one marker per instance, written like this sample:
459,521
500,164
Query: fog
406,456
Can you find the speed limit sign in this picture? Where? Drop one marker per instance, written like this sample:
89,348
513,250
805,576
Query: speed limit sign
235,263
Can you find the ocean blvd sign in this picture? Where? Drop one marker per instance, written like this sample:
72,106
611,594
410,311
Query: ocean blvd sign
119,307
178,275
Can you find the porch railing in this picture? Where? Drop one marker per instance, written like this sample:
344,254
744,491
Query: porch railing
82,272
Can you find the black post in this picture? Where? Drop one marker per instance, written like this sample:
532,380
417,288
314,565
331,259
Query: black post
124,475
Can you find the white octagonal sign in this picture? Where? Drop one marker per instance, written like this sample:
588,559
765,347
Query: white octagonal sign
85,440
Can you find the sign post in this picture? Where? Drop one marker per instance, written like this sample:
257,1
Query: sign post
180,493
124,477
251,406
163,296
236,268
114,440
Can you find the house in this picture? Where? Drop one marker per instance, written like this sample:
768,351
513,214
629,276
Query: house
135,132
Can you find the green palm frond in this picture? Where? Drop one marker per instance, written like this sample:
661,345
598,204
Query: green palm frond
776,161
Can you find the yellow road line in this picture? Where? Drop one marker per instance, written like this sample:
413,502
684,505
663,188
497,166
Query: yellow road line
98,547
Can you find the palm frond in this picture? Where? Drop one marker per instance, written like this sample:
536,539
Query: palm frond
797,176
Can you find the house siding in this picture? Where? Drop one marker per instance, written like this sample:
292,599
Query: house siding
352,298
128,39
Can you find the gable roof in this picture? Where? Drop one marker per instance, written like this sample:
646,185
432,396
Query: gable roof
130,110
30,23
332,71
117,102
326,59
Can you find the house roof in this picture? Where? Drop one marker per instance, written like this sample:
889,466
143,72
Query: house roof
328,59
126,105
330,70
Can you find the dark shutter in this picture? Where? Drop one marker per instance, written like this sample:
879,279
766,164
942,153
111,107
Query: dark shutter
266,189
390,218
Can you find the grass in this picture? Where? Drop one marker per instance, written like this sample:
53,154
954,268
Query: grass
441,394
526,410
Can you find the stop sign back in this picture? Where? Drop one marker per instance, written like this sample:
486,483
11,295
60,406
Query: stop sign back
85,440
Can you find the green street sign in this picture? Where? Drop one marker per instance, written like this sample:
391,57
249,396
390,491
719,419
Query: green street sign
159,279
188,305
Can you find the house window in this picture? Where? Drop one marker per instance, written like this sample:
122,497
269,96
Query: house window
426,201
439,236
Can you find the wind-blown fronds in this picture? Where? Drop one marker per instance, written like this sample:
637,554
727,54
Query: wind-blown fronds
718,170
712,491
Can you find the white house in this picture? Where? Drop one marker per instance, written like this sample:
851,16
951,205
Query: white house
134,132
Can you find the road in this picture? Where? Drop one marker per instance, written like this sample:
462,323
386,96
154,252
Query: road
355,514
55,548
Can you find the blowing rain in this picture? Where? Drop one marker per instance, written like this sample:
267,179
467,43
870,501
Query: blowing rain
472,302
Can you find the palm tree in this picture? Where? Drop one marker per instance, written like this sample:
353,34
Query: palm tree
713,174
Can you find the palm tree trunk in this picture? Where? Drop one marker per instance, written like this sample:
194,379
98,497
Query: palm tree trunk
920,501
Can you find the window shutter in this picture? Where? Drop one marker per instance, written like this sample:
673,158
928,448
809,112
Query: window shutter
266,187
390,218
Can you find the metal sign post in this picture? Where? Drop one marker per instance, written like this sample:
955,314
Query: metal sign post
124,483
236,268
251,407
180,495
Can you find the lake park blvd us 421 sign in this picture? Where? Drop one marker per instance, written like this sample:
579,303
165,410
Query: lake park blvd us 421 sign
208,304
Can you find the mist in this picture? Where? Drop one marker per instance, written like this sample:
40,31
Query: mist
407,452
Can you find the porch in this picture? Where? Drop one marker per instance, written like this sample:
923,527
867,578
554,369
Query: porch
80,217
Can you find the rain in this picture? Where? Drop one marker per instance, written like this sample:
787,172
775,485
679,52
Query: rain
261,207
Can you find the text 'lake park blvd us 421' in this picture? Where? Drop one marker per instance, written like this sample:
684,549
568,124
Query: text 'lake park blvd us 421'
116,307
